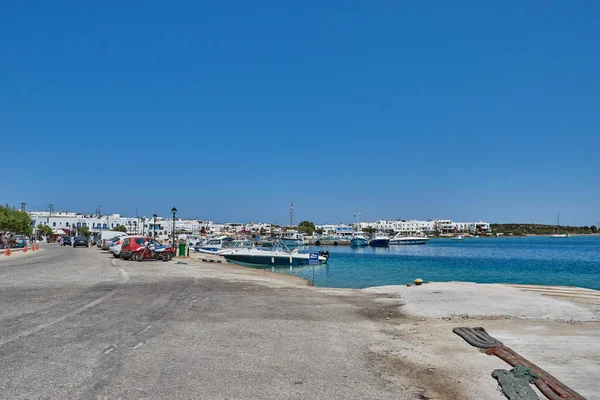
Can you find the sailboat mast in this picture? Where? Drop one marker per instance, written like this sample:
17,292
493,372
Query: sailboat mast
356,215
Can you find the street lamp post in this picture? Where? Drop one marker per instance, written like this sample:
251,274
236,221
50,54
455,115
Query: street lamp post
174,211
154,227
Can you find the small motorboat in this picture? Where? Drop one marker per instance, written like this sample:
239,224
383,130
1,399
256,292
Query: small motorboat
379,239
213,245
458,237
278,255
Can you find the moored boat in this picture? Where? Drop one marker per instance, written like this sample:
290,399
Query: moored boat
458,238
293,238
278,255
408,240
379,239
559,235
359,238
213,245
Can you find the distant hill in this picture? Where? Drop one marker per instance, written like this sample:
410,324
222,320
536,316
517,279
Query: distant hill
538,229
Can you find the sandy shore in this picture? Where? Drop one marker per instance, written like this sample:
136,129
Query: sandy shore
558,328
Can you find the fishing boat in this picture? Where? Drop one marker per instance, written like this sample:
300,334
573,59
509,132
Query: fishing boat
278,255
379,239
358,238
293,238
408,240
559,235
213,245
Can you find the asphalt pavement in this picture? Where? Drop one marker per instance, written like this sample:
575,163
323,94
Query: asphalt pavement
76,324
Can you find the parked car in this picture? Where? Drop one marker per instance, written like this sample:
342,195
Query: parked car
115,247
81,241
132,243
67,241
107,236
20,241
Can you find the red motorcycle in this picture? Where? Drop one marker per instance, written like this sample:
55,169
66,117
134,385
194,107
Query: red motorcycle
152,252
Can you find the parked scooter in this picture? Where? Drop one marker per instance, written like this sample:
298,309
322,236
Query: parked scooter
152,252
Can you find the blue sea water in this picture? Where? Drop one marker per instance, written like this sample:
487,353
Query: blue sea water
572,261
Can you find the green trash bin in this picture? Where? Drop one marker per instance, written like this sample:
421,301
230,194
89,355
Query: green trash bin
182,250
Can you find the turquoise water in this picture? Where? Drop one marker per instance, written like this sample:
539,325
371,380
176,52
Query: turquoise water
573,261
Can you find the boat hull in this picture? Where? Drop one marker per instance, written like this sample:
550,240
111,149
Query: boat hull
269,260
379,243
358,242
207,250
399,242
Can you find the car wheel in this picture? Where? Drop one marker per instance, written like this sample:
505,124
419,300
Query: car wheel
115,255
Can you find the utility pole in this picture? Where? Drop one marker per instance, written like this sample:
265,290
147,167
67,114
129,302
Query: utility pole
50,209
23,207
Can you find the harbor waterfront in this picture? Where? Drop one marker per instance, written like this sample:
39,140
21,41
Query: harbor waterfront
525,260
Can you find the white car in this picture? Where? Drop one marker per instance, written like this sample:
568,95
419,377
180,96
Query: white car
115,246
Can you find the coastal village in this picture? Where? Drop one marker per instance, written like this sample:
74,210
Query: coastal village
67,223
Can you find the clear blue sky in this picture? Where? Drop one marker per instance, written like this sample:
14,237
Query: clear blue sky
229,111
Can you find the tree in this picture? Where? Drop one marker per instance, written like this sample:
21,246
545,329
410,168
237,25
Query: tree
44,230
83,231
15,221
307,227
369,230
594,228
120,228
319,231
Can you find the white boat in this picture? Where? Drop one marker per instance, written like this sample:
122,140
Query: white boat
359,238
212,246
379,239
293,238
559,235
408,240
458,237
278,255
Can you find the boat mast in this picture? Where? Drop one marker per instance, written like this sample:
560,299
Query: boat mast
558,223
292,214
356,215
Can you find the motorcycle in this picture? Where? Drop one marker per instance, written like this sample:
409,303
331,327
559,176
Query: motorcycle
152,252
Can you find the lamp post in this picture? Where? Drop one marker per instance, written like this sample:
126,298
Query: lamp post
174,211
154,227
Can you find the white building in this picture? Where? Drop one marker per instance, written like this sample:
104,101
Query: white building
414,227
69,222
